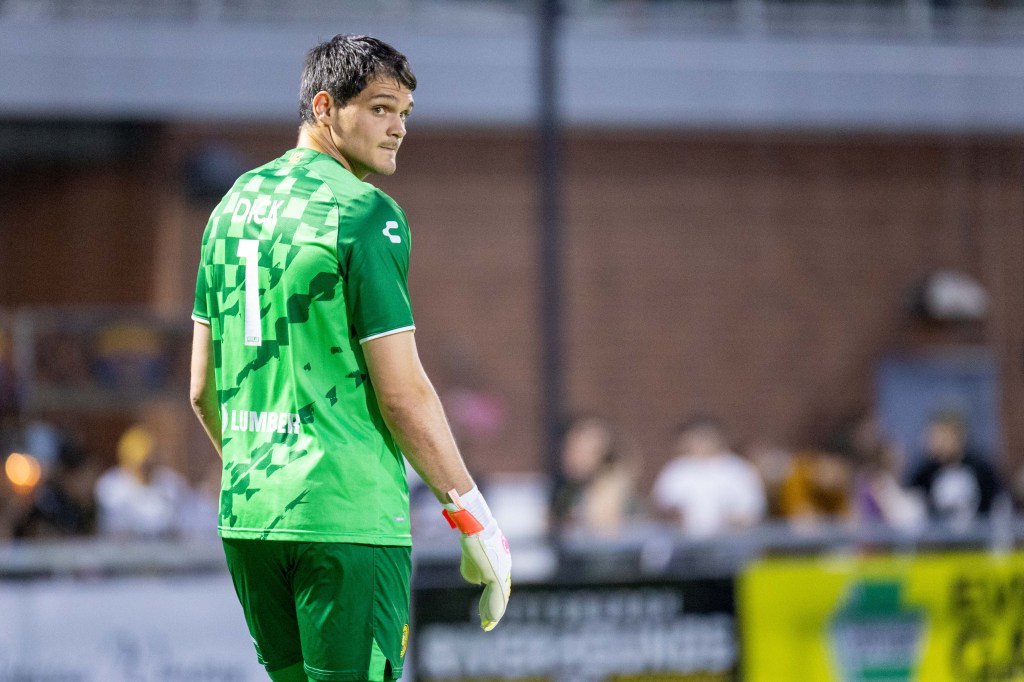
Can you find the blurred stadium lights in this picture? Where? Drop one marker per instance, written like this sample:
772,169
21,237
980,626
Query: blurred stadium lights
23,471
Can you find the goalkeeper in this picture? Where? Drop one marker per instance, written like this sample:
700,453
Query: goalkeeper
306,377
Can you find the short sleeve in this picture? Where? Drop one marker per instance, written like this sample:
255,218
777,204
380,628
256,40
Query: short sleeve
201,310
373,250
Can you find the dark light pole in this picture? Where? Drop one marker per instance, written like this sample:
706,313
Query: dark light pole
549,152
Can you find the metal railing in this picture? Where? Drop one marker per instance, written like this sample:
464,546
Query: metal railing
647,551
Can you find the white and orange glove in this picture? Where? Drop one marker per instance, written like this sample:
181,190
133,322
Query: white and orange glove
486,558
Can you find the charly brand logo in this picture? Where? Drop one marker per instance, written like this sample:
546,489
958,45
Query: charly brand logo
405,639
392,225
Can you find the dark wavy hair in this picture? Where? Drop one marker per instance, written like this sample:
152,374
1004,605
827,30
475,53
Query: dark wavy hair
343,65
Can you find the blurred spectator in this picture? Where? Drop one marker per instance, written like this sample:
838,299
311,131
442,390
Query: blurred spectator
879,496
596,491
707,487
54,479
818,488
959,484
773,464
200,507
140,497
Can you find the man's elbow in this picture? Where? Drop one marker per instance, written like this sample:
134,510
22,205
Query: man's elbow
401,402
200,399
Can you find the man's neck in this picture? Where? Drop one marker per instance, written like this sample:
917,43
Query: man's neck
318,138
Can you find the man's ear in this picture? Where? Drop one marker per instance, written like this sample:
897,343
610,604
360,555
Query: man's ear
322,105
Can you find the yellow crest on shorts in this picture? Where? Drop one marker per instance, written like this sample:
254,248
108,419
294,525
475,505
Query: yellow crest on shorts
405,639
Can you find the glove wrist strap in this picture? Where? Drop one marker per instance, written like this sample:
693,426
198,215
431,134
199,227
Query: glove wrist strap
463,520
469,512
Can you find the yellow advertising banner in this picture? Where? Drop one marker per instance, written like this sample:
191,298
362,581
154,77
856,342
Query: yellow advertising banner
952,617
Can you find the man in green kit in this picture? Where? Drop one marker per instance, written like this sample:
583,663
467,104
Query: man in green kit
306,376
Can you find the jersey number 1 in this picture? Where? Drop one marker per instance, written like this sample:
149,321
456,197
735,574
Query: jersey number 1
249,251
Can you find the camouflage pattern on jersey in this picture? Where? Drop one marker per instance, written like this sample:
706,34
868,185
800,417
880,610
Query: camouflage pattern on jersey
301,261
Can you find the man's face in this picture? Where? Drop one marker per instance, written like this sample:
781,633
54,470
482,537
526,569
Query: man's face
945,442
586,447
369,129
700,441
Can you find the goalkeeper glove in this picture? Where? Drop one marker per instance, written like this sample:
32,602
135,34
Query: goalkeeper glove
486,558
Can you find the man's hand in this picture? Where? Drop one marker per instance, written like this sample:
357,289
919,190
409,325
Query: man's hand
486,558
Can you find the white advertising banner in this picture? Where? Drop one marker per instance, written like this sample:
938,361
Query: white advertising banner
130,629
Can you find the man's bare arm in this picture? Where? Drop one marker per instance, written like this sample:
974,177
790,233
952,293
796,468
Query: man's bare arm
413,412
203,389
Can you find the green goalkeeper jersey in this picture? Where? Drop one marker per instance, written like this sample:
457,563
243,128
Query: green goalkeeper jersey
301,263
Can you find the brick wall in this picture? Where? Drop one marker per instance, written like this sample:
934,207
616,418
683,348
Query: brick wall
762,277
756,276
76,236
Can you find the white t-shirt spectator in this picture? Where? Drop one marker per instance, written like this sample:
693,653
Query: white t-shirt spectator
129,507
712,494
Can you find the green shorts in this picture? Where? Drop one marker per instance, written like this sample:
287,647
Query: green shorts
342,609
